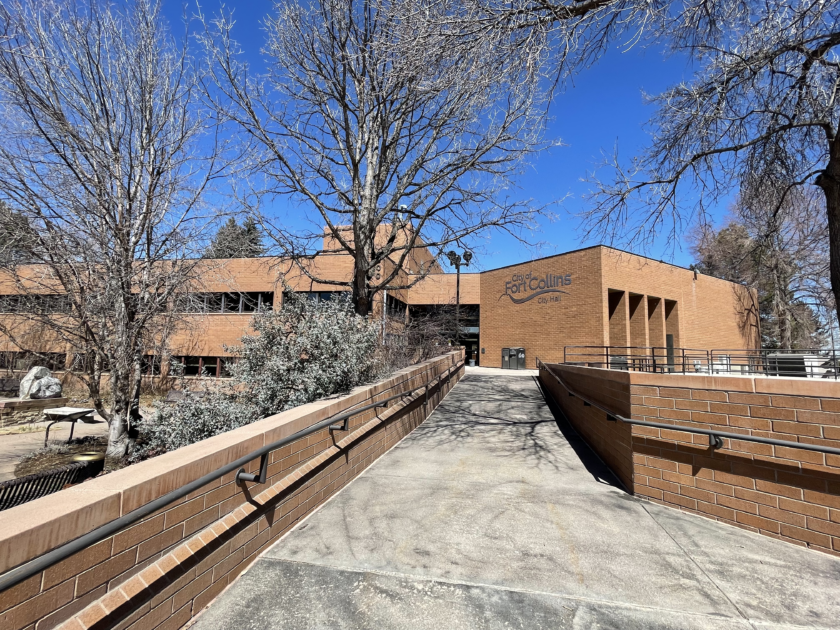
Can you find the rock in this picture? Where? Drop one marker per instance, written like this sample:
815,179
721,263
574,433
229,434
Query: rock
47,387
32,377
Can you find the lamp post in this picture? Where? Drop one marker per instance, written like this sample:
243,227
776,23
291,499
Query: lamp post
456,261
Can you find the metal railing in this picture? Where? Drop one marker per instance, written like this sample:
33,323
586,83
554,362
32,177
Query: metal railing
35,566
715,437
21,490
788,363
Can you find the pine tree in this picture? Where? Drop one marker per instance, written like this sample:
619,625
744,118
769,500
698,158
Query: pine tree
235,241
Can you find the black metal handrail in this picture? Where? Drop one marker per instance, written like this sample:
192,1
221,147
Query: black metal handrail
785,362
35,566
715,437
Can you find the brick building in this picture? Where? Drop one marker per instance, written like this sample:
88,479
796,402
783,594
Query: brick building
597,296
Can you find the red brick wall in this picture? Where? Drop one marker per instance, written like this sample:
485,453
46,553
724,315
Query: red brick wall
164,570
778,491
611,440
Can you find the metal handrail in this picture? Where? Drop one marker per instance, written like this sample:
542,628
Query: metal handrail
715,437
812,363
35,566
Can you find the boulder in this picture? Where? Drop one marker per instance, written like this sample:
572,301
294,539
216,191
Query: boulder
33,376
47,387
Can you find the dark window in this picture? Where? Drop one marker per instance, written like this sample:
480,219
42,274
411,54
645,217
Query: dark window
150,365
9,303
396,307
24,361
321,296
198,366
41,304
231,302
214,302
266,300
84,362
249,302
192,366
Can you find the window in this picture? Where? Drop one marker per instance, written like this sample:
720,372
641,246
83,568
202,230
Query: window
41,304
150,365
319,296
396,307
25,361
9,303
230,302
200,366
84,362
248,302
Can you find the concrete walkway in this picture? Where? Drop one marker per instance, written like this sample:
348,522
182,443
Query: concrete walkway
490,516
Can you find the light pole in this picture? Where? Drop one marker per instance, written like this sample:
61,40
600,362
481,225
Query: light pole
456,261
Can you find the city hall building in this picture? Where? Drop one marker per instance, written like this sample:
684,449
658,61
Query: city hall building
547,308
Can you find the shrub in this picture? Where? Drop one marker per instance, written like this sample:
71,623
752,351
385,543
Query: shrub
304,351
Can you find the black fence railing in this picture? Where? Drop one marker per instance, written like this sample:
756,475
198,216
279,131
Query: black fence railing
785,362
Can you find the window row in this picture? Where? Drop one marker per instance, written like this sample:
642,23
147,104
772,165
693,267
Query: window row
215,367
37,304
249,302
57,362
318,296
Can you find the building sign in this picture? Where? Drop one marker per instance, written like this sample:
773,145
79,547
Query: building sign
523,288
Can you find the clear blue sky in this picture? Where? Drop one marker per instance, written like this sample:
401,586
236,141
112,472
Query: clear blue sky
603,107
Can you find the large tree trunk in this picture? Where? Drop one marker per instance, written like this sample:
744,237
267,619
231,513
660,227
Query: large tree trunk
829,181
361,292
119,441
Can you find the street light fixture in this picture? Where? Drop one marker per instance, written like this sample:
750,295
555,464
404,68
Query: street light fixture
457,261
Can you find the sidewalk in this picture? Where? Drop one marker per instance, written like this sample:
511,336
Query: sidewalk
491,516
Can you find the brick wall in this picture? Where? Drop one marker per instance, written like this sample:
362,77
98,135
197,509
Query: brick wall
710,313
163,570
778,491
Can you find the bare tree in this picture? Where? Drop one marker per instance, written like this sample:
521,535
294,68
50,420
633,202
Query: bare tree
761,113
392,133
783,254
106,157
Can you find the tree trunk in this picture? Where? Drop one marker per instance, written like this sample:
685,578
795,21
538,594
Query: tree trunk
361,292
829,181
119,441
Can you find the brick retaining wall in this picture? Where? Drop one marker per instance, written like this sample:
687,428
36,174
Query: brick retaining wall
162,571
781,492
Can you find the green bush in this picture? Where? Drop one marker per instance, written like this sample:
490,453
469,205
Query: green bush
303,352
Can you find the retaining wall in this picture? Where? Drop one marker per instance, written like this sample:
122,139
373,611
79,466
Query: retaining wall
162,571
778,491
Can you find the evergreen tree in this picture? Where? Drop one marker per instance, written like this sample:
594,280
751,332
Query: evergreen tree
237,241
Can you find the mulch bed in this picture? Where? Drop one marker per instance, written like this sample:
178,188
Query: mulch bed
48,459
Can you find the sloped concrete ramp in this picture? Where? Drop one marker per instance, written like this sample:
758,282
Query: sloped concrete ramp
493,514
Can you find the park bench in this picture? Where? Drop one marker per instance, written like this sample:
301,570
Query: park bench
23,489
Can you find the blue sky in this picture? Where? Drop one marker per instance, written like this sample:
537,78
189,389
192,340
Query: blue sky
604,106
